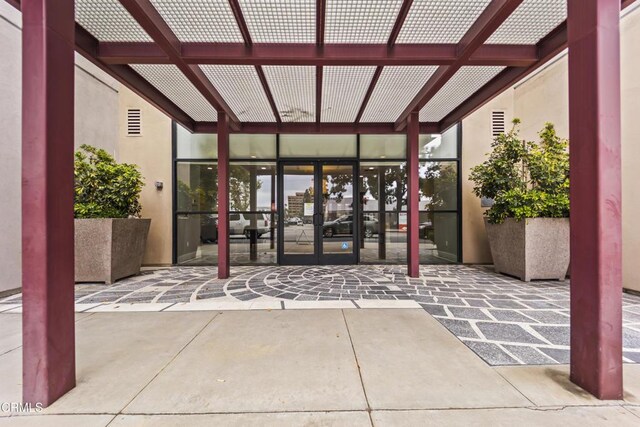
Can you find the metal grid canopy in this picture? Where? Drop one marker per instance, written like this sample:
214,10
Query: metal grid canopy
294,92
108,21
343,89
440,21
169,80
200,20
281,21
461,86
395,89
360,21
315,62
531,21
240,86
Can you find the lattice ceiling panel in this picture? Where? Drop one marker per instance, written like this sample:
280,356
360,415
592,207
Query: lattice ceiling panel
440,21
200,20
395,89
343,89
169,80
530,22
294,91
240,86
280,21
109,21
360,21
462,85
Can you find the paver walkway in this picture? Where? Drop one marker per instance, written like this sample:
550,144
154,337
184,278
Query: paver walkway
505,321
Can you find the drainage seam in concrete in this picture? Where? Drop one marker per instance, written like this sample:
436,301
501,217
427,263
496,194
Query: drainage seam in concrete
353,349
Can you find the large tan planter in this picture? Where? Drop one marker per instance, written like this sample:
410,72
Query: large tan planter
109,249
531,249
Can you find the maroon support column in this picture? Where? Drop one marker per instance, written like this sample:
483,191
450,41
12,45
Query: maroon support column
413,214
48,359
594,126
223,196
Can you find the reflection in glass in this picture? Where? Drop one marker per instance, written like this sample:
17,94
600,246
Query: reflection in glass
330,146
438,186
337,209
197,239
195,145
438,233
439,146
197,186
252,217
383,187
252,238
252,146
383,146
298,194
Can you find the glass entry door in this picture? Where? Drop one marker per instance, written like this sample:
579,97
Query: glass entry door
320,224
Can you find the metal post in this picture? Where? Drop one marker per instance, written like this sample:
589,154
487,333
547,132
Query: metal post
48,354
596,237
413,219
223,196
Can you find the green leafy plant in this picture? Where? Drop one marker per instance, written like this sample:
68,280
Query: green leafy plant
104,188
525,179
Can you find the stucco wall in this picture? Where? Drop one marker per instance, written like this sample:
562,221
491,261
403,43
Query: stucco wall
544,98
96,98
476,143
152,152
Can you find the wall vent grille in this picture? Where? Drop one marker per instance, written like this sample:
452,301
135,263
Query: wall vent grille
134,122
497,123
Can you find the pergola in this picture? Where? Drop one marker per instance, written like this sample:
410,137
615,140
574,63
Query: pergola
319,66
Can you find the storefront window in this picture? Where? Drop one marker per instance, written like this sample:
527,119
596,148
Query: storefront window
383,220
195,145
383,146
253,219
248,146
439,146
314,146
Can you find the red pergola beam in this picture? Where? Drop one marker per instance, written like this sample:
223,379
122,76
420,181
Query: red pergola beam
320,24
487,23
87,45
150,20
310,128
547,48
311,54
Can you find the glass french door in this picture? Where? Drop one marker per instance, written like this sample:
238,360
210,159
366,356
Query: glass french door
320,224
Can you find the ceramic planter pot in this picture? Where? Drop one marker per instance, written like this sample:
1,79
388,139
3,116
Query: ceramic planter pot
108,249
531,249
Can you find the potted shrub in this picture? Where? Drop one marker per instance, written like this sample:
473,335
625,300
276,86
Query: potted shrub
110,238
527,225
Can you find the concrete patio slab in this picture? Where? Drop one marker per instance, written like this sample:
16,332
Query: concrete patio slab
352,419
550,385
57,421
260,361
11,376
118,354
507,417
10,332
413,362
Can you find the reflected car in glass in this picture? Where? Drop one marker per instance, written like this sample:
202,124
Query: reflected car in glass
344,225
